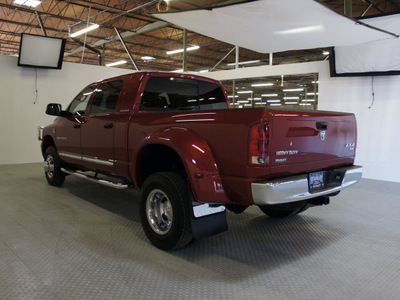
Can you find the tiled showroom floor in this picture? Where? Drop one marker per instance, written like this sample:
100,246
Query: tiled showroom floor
85,241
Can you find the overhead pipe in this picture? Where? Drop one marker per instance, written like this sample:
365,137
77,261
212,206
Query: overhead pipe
222,59
126,49
184,60
348,8
41,23
237,57
88,47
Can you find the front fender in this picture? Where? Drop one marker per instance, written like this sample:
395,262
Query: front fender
197,158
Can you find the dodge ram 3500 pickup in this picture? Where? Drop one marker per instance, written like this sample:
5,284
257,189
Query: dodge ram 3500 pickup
175,137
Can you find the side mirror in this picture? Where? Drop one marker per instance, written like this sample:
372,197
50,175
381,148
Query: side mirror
54,109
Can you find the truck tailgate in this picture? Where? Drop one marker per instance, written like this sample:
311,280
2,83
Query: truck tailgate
310,137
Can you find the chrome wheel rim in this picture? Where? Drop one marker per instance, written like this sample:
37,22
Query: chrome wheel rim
49,166
159,212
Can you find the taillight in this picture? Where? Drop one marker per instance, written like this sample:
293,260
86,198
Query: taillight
259,144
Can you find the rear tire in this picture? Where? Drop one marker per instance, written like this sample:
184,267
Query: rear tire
52,167
164,211
284,210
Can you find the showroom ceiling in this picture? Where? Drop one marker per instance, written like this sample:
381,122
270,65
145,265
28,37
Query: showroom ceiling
147,38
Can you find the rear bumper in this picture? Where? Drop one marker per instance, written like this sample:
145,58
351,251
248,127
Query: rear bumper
295,188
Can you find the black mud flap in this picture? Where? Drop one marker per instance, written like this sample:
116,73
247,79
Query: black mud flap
207,219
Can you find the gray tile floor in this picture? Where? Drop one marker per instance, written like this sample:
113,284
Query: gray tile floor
84,241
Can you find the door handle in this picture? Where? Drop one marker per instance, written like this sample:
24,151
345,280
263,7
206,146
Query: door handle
77,125
108,125
322,125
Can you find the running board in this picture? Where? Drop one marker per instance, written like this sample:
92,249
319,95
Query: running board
116,185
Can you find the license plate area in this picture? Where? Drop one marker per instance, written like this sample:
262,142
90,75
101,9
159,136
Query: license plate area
316,180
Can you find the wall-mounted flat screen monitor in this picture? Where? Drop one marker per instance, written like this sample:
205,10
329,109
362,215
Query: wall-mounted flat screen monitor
370,59
41,51
381,57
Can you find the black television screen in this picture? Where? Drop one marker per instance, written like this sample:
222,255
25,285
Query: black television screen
380,57
41,51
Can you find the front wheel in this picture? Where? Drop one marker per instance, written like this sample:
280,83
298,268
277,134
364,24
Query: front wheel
52,167
164,211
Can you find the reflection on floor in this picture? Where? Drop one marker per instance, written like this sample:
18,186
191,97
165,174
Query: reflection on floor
84,241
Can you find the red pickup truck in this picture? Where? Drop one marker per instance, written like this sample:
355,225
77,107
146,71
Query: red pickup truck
174,137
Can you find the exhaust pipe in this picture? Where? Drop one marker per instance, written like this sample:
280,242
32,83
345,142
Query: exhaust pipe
323,200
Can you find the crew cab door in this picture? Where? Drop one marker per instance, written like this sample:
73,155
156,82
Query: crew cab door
68,131
97,132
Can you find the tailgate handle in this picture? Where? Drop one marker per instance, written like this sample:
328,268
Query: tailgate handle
322,125
108,125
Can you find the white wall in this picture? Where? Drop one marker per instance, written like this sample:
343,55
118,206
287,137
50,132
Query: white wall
378,141
378,138
20,117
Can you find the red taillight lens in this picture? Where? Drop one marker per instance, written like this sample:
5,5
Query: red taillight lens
259,144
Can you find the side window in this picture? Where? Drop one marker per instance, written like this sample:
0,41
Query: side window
166,94
80,102
106,97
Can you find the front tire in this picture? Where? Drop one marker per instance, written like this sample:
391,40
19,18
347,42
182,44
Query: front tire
164,211
52,167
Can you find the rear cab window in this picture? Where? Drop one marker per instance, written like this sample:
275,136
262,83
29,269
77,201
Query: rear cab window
176,94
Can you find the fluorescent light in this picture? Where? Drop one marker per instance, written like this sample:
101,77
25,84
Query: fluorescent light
262,84
260,103
257,98
242,101
275,104
203,71
121,62
245,62
271,101
293,90
291,102
248,105
315,81
31,3
178,71
291,98
312,94
236,96
84,30
325,53
181,50
269,95
301,30
307,104
148,57
308,100
244,92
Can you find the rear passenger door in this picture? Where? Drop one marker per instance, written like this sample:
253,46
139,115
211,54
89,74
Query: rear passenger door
97,139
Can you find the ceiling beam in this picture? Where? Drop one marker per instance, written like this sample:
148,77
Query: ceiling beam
125,35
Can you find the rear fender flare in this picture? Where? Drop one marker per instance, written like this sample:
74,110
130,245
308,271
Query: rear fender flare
197,158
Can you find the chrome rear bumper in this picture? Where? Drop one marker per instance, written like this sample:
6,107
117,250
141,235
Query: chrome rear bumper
295,188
